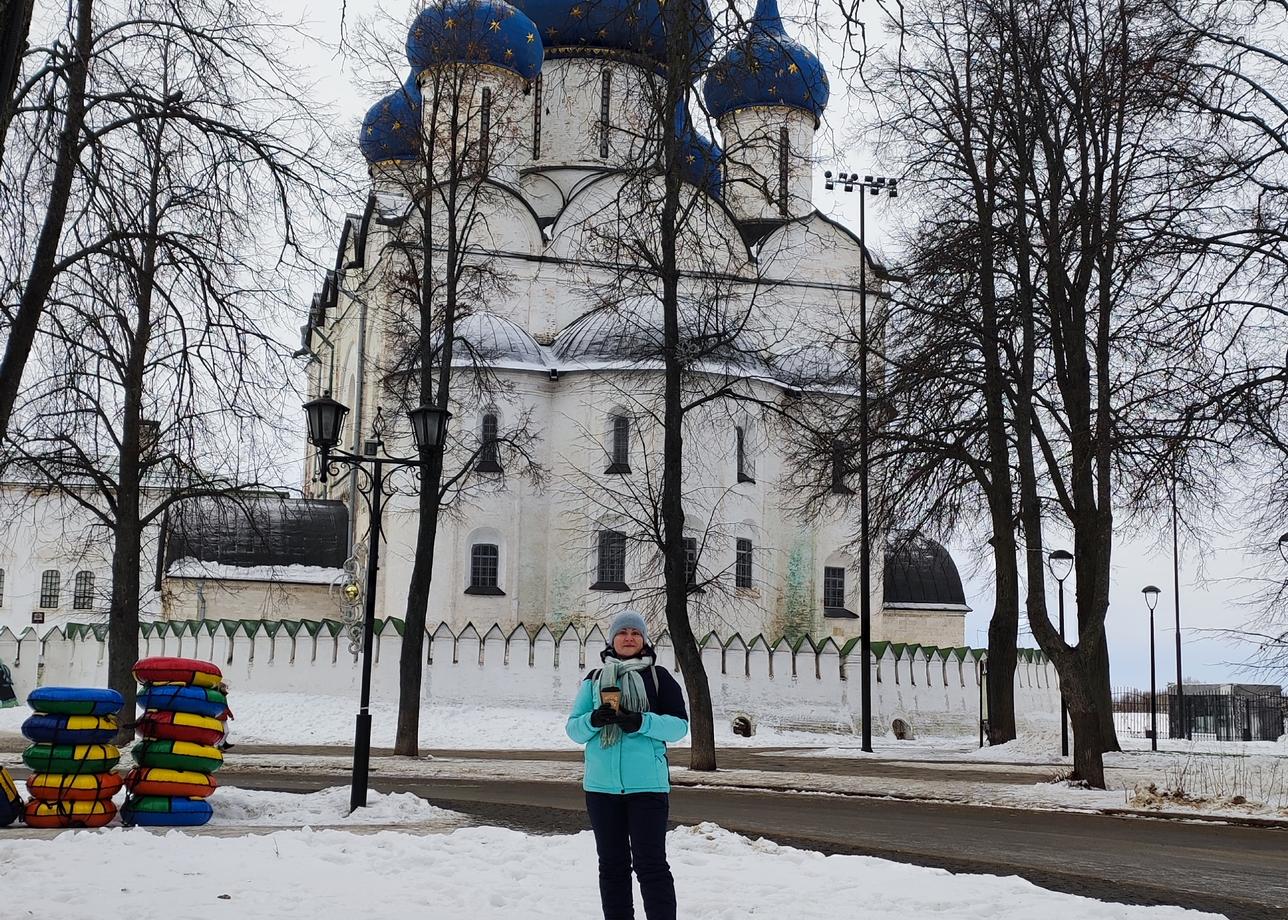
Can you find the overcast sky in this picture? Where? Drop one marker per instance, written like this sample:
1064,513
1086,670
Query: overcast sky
1213,585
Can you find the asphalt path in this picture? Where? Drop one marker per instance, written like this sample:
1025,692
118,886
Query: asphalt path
1240,872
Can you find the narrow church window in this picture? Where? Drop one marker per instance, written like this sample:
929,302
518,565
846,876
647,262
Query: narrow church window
839,468
833,587
1,587
50,588
83,591
484,569
691,562
620,450
742,576
605,95
536,120
744,467
485,130
489,449
611,571
784,150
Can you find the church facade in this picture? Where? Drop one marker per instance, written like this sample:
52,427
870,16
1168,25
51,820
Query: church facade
554,442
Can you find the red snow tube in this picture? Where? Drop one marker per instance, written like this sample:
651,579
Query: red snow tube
187,671
180,726
68,814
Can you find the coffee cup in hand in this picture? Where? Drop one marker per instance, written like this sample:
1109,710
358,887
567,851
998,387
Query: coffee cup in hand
611,696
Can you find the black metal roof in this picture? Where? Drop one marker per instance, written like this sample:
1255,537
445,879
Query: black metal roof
259,530
920,571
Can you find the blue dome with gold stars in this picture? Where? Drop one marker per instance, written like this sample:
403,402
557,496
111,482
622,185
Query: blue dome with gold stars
572,27
391,130
766,67
699,155
475,32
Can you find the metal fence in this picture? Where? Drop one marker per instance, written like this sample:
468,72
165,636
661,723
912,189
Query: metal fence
1233,715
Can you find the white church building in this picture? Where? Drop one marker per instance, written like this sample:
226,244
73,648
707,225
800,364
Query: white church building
555,438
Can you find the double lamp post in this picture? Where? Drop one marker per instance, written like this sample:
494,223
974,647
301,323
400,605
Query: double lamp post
326,420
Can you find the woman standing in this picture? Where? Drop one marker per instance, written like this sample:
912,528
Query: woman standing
624,714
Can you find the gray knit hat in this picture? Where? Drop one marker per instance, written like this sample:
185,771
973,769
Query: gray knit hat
628,619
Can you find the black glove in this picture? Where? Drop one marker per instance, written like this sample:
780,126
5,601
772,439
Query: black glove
604,715
630,722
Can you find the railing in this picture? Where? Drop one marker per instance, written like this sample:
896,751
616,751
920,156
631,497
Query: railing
1239,715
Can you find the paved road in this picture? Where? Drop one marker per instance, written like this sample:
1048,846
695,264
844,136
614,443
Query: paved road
1239,872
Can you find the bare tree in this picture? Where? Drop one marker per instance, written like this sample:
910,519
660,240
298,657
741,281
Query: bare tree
157,355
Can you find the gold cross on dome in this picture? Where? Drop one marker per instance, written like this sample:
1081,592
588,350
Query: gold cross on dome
495,25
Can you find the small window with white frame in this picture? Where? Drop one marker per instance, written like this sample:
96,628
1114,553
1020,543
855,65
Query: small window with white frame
742,566
619,446
610,571
489,445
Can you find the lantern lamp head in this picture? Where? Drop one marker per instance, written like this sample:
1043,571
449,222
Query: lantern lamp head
1151,593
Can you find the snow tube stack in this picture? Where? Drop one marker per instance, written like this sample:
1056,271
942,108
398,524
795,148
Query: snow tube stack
72,780
181,727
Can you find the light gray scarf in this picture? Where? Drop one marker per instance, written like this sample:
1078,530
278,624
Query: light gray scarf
625,675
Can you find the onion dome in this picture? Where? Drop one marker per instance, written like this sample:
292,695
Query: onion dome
699,155
767,67
391,130
572,27
475,32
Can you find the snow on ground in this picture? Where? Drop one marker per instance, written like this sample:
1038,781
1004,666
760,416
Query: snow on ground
487,873
236,807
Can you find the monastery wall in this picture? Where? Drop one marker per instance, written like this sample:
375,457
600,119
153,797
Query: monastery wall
933,691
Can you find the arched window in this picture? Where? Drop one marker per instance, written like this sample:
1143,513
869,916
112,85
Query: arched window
489,448
691,563
485,570
610,574
742,570
83,591
745,471
619,449
50,588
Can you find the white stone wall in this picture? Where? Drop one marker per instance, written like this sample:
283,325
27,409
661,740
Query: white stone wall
934,692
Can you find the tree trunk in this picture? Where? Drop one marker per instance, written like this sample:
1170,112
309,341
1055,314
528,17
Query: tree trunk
40,278
15,23
1003,632
1088,745
123,612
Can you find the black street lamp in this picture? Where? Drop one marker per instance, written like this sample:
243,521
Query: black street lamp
1151,600
873,185
1060,564
428,426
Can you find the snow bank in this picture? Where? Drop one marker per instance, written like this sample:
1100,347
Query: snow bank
488,873
235,807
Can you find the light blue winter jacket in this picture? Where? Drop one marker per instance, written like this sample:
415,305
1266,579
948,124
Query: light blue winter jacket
637,763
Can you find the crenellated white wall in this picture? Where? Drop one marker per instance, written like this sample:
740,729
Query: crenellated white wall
935,691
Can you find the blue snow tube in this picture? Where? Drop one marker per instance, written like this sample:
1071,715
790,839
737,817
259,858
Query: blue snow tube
165,811
174,698
49,729
75,701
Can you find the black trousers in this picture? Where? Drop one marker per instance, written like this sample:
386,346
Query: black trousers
630,831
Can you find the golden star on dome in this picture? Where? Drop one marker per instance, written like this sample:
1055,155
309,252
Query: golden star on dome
495,25
576,12
792,68
397,126
603,33
450,23
552,31
690,158
531,38
773,90
508,54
